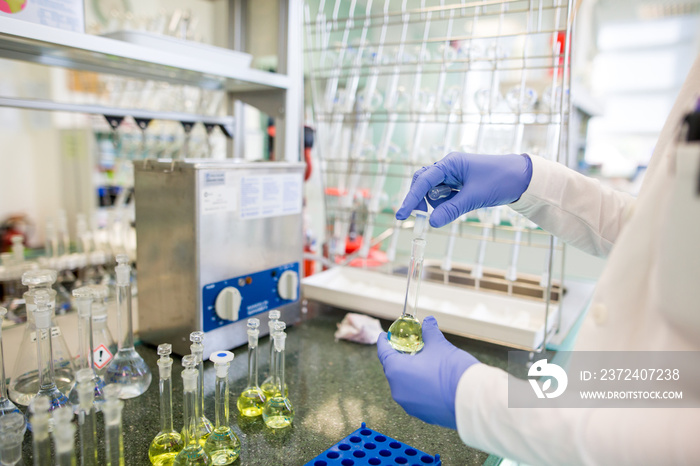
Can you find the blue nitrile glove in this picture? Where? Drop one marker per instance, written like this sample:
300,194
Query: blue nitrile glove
425,383
482,181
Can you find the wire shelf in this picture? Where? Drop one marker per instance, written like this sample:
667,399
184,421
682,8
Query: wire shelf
398,84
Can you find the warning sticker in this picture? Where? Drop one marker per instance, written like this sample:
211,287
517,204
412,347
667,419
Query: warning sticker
271,195
101,356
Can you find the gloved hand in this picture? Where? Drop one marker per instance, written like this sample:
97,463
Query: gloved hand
482,181
425,383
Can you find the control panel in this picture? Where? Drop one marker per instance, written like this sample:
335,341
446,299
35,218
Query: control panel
241,297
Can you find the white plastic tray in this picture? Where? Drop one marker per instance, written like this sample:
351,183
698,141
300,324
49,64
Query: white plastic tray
183,47
486,316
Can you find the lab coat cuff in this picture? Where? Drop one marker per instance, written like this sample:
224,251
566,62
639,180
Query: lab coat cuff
537,189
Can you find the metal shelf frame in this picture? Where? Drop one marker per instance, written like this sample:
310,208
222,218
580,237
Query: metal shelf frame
279,94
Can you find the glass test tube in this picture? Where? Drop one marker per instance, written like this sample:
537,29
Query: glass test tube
6,406
168,442
223,445
251,400
12,429
41,444
86,417
112,411
64,436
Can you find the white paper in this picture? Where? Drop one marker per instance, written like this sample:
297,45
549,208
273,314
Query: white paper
270,195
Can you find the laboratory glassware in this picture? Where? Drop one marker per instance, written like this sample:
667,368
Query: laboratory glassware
25,382
273,318
40,423
278,411
104,345
168,442
47,380
112,411
193,453
204,425
127,368
12,429
223,445
270,386
83,297
86,417
250,401
6,406
406,333
64,436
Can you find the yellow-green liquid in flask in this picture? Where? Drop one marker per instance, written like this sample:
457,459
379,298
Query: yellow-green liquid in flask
165,448
406,335
250,402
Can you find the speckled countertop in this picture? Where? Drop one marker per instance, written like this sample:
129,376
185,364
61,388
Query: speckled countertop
334,387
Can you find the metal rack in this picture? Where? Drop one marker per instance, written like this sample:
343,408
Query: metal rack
398,84
277,94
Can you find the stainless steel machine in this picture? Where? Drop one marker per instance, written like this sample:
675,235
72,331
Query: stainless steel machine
218,242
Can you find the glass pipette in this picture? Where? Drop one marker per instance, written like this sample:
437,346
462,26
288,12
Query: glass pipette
251,400
405,334
204,425
127,368
168,442
39,420
64,436
86,417
278,411
192,454
112,411
223,445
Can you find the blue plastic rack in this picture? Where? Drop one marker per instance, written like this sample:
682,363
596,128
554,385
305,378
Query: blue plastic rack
366,446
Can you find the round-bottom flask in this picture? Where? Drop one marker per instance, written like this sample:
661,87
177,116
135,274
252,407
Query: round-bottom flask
406,334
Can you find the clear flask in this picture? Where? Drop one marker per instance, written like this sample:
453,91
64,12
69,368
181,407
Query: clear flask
104,346
204,425
168,442
83,297
47,380
222,445
251,399
24,383
406,333
6,406
127,368
270,385
278,411
192,454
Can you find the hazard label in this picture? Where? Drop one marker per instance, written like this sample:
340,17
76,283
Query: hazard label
101,356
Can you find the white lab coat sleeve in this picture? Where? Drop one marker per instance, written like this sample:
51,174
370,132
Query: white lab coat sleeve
575,208
569,436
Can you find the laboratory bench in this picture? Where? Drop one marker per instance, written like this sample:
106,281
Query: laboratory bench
333,385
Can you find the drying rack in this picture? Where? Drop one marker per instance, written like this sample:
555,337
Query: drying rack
397,85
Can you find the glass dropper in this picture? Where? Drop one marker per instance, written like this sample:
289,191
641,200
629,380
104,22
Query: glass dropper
406,333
